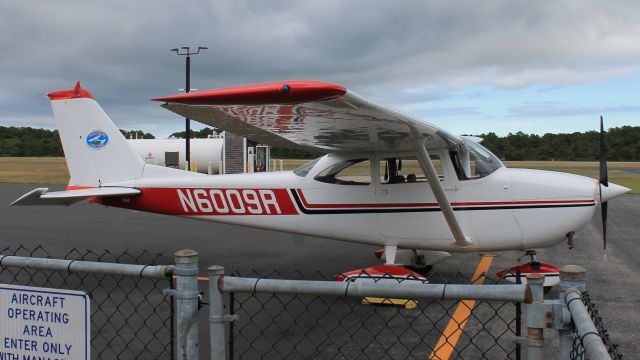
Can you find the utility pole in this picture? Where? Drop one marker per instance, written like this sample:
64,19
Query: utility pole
186,51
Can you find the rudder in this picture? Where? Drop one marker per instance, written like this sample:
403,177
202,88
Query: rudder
95,150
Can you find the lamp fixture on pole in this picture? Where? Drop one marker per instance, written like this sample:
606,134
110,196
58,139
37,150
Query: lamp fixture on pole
186,51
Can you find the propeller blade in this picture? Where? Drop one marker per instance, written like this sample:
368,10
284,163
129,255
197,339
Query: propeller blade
604,181
603,213
604,176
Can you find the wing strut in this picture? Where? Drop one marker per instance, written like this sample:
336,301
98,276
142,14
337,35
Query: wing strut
426,164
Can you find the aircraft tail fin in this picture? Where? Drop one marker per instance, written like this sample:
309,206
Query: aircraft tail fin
95,150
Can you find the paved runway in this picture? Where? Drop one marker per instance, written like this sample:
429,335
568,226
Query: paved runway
614,284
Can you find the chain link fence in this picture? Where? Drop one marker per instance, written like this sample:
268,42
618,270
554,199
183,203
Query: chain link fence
130,316
578,351
273,316
293,326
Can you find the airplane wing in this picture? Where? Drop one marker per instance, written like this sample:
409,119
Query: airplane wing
323,117
42,196
307,114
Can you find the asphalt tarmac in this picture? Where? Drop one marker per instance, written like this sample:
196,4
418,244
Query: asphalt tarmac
614,284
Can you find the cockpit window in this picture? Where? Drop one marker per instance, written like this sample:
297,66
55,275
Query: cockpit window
303,170
406,169
348,172
474,161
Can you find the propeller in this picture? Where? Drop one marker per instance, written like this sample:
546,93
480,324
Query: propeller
604,180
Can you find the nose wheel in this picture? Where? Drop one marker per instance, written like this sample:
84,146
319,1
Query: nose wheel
551,272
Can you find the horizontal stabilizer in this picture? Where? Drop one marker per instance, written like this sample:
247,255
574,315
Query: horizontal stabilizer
42,196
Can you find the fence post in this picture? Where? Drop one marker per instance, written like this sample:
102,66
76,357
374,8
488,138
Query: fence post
571,276
535,318
216,314
187,296
592,343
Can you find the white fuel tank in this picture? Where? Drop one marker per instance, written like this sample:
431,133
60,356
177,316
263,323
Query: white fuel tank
171,152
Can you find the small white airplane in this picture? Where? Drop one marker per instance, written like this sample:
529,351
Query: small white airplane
389,179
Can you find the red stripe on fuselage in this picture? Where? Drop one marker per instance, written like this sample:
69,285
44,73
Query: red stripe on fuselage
207,201
307,205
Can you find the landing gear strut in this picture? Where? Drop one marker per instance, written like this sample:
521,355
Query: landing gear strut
531,254
419,264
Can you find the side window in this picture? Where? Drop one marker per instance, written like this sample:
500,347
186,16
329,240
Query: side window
348,172
406,169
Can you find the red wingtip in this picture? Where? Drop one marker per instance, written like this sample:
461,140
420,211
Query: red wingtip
282,92
75,93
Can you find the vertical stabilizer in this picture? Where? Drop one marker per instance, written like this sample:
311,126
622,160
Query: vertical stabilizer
95,150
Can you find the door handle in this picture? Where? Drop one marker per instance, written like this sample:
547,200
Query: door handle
384,191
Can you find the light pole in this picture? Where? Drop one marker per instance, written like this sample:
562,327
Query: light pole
186,51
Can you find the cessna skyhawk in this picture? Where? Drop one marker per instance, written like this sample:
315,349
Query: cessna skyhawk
388,179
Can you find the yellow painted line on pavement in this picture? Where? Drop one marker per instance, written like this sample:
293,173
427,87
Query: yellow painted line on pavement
447,342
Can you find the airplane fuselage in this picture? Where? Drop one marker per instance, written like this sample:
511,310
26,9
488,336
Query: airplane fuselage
510,209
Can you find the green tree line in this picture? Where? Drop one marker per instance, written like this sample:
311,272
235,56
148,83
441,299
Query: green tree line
27,141
136,134
623,144
197,134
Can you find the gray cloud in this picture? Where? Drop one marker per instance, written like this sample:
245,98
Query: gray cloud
558,109
448,111
119,49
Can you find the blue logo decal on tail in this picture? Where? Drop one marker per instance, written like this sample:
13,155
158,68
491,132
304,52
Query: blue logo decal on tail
97,139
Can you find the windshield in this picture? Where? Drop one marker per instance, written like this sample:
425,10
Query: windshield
304,169
485,162
475,161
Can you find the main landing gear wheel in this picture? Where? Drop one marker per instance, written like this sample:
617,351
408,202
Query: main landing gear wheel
422,270
551,272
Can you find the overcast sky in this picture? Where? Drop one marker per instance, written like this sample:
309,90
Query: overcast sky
466,66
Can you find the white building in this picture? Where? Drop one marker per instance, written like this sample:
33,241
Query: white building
232,154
